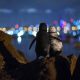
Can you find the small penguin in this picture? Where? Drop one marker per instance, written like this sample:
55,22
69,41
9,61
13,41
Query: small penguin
56,44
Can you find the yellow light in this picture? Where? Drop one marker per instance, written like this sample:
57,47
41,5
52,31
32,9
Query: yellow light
25,28
74,28
4,29
1,29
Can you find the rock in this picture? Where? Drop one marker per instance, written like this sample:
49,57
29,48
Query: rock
14,65
5,76
76,74
52,68
73,60
6,40
2,62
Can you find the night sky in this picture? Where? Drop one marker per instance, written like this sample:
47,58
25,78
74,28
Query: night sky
26,12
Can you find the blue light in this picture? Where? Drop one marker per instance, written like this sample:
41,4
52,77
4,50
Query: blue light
79,38
16,31
61,23
30,32
74,33
78,27
20,28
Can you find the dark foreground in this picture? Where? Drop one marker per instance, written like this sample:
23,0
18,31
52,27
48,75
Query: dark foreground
14,65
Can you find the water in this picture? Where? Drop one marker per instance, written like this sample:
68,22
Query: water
30,54
70,49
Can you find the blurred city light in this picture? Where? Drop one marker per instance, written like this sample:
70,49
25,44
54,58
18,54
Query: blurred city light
19,39
17,26
63,29
10,32
34,33
20,33
78,27
74,33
